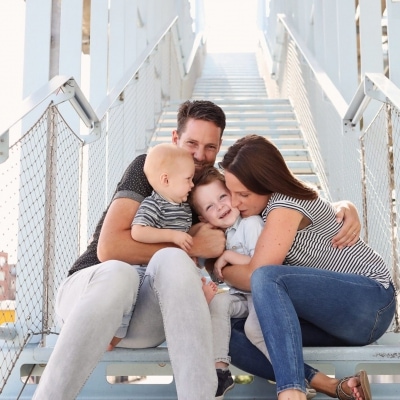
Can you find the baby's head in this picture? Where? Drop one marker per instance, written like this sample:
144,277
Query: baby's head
211,199
169,170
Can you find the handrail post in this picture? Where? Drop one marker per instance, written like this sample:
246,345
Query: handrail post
49,224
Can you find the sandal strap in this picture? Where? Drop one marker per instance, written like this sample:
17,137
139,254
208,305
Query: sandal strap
340,393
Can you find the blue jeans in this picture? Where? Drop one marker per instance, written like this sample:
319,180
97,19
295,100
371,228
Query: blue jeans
300,306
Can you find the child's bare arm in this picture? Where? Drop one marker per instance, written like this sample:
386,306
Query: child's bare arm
149,234
229,257
235,258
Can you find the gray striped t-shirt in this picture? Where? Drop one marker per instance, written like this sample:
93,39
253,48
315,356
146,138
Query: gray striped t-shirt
157,212
312,245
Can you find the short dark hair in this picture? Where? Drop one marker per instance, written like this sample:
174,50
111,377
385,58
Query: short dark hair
200,109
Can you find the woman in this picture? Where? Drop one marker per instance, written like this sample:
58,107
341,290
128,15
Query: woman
296,274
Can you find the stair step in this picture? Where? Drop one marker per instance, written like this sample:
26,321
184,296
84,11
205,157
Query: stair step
233,82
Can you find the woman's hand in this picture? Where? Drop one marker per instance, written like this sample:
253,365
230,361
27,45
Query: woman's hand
349,233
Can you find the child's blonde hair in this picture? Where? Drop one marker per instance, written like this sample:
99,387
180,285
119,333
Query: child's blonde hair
164,158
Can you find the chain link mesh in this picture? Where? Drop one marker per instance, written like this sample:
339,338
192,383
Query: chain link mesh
54,188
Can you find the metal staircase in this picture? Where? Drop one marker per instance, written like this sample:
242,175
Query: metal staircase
232,81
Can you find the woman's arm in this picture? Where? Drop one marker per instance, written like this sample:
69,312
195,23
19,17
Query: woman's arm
272,246
349,233
229,257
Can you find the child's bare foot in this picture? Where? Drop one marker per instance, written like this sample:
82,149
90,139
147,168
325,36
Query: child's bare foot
210,289
114,341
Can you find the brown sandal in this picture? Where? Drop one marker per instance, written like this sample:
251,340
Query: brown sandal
364,383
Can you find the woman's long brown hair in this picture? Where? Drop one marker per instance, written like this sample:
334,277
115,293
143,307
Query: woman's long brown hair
261,168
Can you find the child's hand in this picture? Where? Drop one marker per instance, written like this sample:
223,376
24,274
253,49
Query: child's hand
219,265
182,239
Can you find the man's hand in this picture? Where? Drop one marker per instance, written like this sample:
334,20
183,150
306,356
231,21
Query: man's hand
208,242
350,231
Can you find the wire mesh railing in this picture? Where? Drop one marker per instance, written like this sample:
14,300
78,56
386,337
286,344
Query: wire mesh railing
54,187
358,164
380,152
40,180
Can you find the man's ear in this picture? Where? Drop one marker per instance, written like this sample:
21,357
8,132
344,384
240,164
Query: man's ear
175,136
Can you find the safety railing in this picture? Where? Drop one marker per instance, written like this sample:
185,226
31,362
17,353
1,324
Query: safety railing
55,181
355,146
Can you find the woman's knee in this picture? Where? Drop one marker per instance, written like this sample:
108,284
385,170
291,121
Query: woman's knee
264,275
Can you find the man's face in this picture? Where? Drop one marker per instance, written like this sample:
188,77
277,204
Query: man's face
213,203
202,139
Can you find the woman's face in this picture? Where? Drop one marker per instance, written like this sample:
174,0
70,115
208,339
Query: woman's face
248,203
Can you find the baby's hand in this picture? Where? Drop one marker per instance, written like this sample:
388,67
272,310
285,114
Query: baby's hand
182,239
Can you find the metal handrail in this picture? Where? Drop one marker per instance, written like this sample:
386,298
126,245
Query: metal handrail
64,88
374,86
326,84
58,90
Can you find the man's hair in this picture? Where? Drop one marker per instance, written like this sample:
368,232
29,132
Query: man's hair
204,177
200,110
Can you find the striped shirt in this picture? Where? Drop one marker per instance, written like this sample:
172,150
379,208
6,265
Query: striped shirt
157,212
312,245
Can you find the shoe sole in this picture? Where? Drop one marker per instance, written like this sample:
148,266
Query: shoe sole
364,383
223,394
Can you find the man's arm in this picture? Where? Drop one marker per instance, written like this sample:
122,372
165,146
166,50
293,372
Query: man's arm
116,243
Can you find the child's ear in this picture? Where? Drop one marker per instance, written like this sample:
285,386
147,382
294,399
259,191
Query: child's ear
164,179
202,219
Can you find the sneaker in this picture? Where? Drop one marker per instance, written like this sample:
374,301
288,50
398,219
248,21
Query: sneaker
225,383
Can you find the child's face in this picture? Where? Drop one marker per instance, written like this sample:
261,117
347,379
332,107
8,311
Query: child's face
180,181
213,203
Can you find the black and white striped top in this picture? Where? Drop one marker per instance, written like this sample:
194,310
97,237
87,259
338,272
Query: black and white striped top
312,245
157,212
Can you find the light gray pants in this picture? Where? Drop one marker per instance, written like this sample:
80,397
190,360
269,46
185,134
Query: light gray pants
225,306
170,305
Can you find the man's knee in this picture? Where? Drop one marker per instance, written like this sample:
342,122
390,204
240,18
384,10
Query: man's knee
171,262
123,278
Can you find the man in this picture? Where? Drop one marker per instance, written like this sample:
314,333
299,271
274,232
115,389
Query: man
167,298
